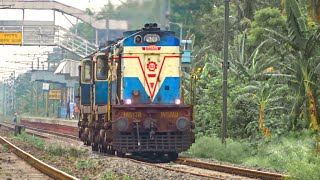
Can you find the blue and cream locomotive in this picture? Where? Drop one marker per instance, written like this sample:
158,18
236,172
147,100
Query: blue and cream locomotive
135,91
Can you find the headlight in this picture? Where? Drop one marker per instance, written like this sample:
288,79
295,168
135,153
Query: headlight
128,101
122,124
152,38
183,124
177,101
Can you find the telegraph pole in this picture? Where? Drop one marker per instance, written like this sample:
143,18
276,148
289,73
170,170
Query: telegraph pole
13,90
4,98
225,71
167,15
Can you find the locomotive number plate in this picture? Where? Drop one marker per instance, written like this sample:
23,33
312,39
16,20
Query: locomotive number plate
132,114
169,114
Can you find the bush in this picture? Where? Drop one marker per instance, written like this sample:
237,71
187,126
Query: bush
211,147
293,153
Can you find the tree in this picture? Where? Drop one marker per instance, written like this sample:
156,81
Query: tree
267,18
265,94
23,89
302,51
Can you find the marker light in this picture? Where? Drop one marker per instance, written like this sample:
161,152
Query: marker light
183,124
122,124
128,101
177,101
152,38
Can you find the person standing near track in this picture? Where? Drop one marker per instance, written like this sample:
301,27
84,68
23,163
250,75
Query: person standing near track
68,109
15,117
71,109
76,111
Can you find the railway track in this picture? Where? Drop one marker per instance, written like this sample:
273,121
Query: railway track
200,168
13,167
231,169
37,164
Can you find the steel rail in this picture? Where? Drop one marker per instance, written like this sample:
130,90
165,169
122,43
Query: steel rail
231,169
176,170
41,166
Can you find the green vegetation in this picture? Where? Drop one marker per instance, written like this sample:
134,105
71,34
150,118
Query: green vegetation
86,164
53,150
73,152
31,139
112,176
5,148
293,153
56,150
211,147
67,170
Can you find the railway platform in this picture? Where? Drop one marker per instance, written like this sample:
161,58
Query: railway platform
51,124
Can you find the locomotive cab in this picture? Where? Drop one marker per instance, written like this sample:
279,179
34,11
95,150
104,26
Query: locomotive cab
101,74
85,80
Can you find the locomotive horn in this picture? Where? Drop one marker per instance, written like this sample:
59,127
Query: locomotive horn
147,26
154,25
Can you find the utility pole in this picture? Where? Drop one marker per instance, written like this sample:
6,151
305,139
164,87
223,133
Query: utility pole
225,72
38,61
13,90
107,27
167,15
4,99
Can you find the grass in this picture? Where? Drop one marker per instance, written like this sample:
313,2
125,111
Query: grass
37,142
112,176
211,147
293,153
5,148
85,164
73,152
67,170
56,150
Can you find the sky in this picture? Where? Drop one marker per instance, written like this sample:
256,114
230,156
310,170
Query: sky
11,55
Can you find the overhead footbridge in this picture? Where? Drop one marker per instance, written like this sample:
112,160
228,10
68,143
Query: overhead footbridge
48,33
57,6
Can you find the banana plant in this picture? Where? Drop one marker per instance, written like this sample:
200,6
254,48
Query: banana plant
302,52
255,66
314,8
266,94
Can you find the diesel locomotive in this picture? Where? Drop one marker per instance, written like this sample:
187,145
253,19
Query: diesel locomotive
131,96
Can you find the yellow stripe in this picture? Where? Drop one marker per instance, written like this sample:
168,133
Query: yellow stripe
173,50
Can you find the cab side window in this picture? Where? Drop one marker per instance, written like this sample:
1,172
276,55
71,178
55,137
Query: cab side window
102,67
87,71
